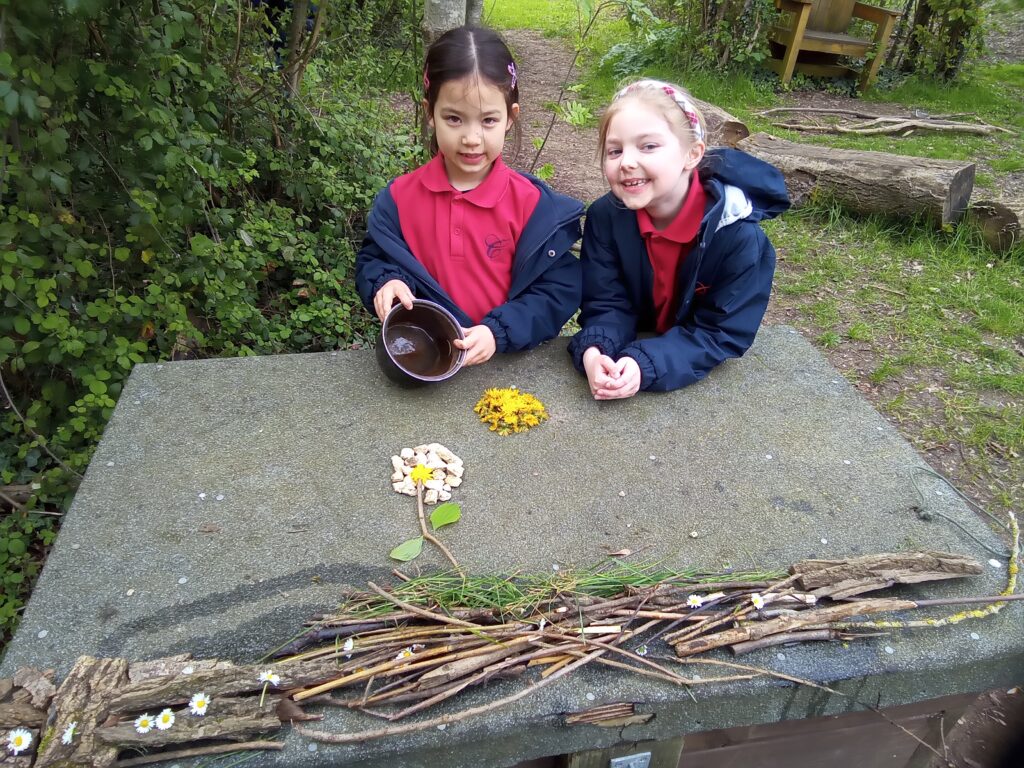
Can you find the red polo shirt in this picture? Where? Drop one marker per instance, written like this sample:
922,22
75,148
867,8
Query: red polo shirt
667,249
466,240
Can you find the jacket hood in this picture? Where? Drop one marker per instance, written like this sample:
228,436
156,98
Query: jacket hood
753,189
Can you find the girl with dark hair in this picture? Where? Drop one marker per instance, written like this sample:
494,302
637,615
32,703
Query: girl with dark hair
489,244
674,249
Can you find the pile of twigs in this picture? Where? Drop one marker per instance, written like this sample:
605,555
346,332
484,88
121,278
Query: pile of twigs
430,638
869,124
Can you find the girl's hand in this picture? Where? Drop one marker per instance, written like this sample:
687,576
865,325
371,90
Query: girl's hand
479,344
625,381
601,370
388,293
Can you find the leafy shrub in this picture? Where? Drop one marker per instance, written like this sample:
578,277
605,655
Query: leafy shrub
163,195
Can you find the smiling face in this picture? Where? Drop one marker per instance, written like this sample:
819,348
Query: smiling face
646,161
470,119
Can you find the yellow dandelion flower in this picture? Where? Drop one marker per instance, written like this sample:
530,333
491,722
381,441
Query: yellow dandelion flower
421,473
506,411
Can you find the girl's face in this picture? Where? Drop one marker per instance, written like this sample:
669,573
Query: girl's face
470,119
646,163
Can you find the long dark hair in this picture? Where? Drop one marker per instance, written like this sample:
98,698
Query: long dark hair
467,51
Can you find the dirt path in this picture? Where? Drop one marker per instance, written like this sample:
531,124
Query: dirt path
543,63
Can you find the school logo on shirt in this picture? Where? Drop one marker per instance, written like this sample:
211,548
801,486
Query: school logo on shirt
496,245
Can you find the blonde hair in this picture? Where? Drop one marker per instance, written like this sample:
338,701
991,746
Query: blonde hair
672,102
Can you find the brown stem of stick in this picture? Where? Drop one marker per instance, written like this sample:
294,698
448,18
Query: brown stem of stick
786,637
427,535
349,738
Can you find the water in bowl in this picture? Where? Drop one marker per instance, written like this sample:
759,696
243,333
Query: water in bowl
418,351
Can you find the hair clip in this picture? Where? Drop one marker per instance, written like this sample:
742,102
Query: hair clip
512,71
426,80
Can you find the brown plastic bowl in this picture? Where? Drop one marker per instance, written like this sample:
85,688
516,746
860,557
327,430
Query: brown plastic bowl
415,345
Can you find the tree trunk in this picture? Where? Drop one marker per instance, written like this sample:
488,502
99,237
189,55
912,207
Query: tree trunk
869,182
441,15
918,30
474,10
723,129
1001,222
300,11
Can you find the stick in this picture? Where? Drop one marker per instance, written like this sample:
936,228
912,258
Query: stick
350,738
761,670
739,649
428,536
421,612
215,749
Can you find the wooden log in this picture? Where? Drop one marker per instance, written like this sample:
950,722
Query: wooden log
722,128
1001,222
869,182
838,579
82,698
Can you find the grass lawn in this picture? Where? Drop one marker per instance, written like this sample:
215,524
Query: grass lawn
928,324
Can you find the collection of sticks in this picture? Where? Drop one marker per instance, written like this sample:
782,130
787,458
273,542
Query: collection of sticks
396,658
868,124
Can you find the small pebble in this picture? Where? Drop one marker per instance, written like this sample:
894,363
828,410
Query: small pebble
75,546
879,428
622,493
767,455
890,650
939,493
975,636
220,497
159,367
188,670
846,461
110,463
653,457
183,580
629,525
694,534
995,563
590,697
554,566
535,474
138,402
311,746
130,592
442,726
42,633
824,541
202,495
780,656
696,677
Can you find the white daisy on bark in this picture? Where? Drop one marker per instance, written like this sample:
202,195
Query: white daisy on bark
69,732
144,723
165,719
198,703
19,740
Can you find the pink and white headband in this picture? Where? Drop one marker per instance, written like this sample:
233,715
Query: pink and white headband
675,94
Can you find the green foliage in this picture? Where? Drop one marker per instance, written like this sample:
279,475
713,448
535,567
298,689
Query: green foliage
445,514
407,550
164,196
575,114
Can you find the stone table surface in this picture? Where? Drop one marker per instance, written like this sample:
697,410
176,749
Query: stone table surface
229,500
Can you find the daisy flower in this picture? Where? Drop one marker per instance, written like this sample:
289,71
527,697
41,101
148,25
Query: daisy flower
543,623
165,720
69,732
757,600
695,601
144,723
19,740
641,651
421,473
405,653
347,648
268,676
198,703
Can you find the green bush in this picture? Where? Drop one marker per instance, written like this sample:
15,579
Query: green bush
163,195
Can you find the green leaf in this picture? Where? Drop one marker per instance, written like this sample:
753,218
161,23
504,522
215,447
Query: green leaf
22,325
407,550
445,514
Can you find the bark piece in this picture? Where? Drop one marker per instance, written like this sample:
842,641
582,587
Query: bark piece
609,715
869,182
1001,222
757,630
231,719
39,685
83,698
852,576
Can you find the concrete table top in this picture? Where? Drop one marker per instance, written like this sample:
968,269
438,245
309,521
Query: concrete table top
231,499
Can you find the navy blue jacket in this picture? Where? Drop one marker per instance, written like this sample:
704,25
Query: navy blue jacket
724,282
546,277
